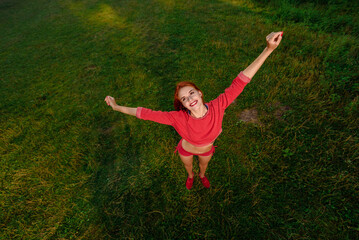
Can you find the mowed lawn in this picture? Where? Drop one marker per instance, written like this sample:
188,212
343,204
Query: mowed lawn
286,166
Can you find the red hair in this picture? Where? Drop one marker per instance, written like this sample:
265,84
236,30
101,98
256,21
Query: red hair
177,102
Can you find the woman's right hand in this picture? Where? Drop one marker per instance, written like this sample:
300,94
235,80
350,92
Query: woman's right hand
110,101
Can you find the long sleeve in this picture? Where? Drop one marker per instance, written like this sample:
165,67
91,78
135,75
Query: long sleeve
232,92
156,116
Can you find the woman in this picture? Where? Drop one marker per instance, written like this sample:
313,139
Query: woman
199,123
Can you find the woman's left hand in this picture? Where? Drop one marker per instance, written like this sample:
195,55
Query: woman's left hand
273,40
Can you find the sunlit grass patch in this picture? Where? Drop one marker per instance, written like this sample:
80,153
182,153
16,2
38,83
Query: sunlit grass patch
169,5
98,14
244,4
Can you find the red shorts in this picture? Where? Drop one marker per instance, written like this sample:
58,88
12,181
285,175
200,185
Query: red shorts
183,152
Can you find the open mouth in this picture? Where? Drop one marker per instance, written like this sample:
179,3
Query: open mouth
193,104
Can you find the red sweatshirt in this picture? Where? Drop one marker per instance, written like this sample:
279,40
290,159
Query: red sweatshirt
199,131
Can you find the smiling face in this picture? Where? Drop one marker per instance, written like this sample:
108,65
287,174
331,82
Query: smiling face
184,97
190,97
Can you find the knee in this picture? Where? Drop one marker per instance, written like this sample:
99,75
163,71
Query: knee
187,164
203,163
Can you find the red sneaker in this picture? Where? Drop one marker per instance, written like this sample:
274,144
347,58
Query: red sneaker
189,183
205,181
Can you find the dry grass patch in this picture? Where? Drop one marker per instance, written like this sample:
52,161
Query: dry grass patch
252,115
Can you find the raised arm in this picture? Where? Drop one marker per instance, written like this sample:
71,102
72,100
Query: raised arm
273,41
127,110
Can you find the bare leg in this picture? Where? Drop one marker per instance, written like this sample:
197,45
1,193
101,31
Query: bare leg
203,164
188,164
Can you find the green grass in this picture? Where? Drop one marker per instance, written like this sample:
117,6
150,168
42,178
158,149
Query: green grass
71,168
